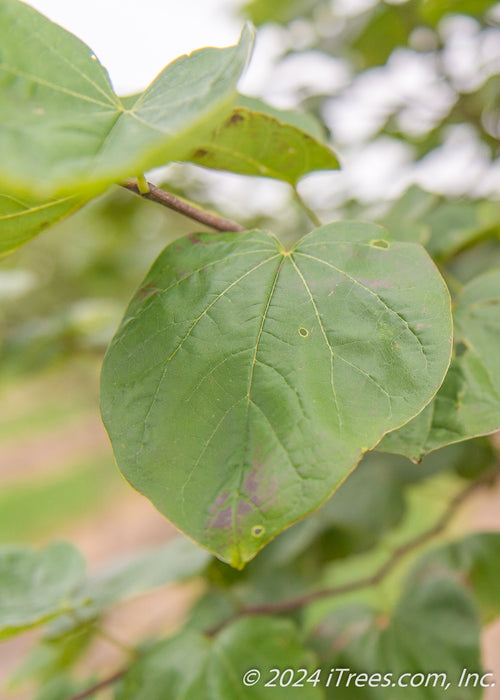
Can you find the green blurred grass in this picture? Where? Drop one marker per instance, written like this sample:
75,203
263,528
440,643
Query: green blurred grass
38,404
35,508
32,511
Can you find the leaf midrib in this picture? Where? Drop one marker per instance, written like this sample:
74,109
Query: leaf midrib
34,209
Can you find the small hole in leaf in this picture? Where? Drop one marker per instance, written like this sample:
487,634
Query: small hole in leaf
460,349
303,332
379,243
258,530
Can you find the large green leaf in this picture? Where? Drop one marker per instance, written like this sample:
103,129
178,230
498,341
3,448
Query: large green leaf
246,381
433,630
193,666
23,219
255,143
36,586
468,403
62,127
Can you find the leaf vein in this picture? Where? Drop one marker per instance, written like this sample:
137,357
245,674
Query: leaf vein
323,331
373,294
31,210
53,86
186,336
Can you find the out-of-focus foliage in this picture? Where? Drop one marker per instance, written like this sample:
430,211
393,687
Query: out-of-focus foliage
190,665
65,292
418,78
51,584
407,93
433,626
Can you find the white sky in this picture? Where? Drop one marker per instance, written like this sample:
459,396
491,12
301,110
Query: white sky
135,39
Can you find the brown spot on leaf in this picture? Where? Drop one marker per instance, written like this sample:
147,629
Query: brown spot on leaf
147,291
219,502
252,481
224,519
235,118
243,509
193,238
221,499
260,485
200,153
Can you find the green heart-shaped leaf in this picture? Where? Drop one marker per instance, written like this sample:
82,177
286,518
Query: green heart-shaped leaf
246,381
468,403
63,128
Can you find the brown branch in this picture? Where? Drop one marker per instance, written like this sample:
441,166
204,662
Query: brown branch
156,194
301,601
99,686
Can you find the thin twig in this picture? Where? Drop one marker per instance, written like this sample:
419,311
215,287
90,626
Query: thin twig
301,601
156,194
126,648
310,213
99,686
